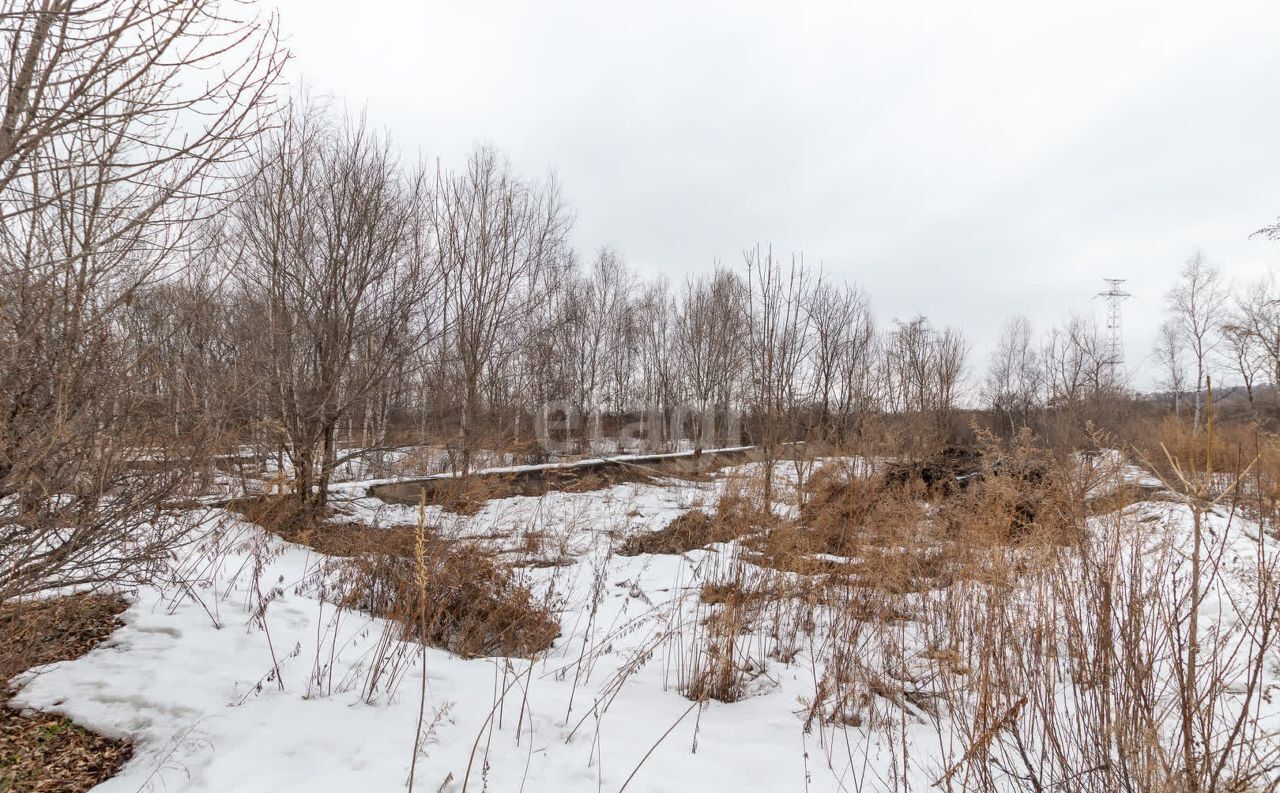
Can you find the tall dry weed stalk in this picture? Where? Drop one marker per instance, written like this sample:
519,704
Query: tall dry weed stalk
1135,661
1047,645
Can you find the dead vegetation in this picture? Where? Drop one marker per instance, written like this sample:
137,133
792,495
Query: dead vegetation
44,751
692,530
862,548
980,591
34,633
466,602
913,527
948,471
444,593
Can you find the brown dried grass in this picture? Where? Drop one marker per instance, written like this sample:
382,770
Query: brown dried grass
688,532
468,603
471,604
43,751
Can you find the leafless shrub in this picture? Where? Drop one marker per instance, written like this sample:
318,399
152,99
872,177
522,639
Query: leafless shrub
108,154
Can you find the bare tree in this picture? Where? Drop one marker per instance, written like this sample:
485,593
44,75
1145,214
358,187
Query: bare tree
592,336
709,328
1169,353
109,150
497,238
1242,350
860,387
335,264
1196,304
1257,314
1013,379
656,339
608,332
951,355
1077,364
777,333
841,326
189,377
924,372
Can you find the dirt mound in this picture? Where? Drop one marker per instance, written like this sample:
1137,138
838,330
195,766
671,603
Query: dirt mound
1021,477
467,495
997,492
951,470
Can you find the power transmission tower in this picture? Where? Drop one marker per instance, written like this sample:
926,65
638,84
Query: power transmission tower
1114,295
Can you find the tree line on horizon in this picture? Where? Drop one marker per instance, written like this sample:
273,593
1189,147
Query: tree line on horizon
192,265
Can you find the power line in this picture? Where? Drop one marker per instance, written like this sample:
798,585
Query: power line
1114,295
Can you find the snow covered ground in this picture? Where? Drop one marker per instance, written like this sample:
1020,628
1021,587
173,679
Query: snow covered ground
244,678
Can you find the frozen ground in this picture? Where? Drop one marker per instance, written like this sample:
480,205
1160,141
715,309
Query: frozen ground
246,679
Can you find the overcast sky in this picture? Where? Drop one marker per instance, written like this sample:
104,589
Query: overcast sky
963,160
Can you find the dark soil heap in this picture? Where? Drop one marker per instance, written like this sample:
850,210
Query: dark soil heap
951,470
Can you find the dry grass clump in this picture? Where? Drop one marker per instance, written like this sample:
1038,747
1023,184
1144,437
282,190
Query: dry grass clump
725,671
838,492
731,593
1234,446
690,531
857,529
1264,478
900,571
738,513
765,588
278,514
844,511
722,661
1237,449
1019,494
904,531
466,602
